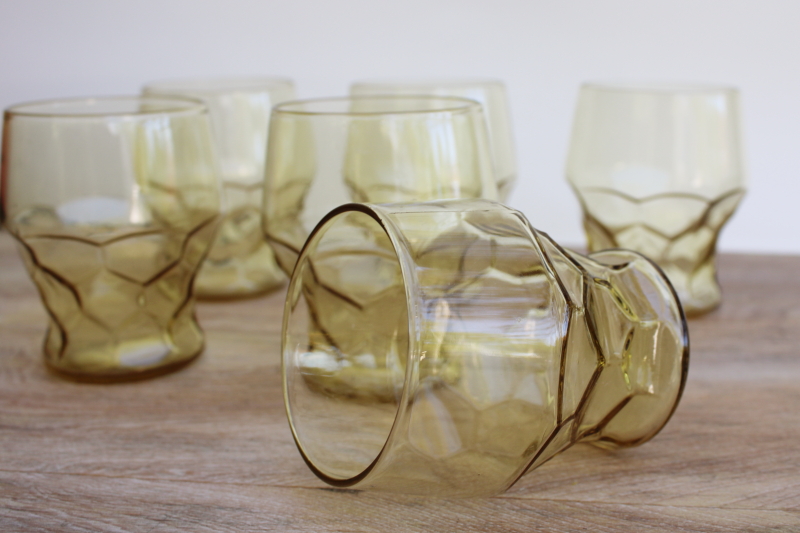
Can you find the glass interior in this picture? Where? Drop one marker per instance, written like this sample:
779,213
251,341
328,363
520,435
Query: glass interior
346,345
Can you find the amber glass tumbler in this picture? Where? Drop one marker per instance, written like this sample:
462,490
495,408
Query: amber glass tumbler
658,169
447,348
327,152
240,262
114,203
491,94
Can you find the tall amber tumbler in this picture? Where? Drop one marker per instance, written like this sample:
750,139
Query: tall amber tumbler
659,169
447,348
240,262
326,152
114,203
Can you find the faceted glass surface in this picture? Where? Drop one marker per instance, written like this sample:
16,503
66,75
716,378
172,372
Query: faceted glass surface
114,203
240,262
447,348
659,170
324,153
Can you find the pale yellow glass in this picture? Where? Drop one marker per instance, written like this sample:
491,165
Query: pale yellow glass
447,348
114,203
240,262
491,94
659,169
323,153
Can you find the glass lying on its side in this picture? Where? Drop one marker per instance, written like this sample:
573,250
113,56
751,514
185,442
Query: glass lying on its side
446,348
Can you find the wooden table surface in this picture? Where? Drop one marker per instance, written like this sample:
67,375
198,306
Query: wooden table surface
208,448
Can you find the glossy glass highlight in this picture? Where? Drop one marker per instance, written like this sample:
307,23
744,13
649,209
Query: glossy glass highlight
447,348
491,94
324,153
114,203
659,169
240,262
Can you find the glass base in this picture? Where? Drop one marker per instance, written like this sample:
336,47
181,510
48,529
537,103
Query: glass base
234,278
120,376
694,309
236,291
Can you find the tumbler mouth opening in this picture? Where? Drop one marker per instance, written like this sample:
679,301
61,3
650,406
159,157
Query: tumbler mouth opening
379,105
659,88
108,106
346,344
217,85
407,84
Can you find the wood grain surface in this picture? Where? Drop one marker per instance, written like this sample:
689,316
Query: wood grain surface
208,448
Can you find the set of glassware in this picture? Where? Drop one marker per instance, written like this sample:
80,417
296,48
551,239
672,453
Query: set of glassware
433,341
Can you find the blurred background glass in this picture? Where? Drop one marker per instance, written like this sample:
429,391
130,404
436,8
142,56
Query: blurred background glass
659,169
326,152
240,262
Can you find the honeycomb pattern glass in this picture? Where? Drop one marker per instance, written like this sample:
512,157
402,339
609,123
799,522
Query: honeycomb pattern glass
659,170
492,96
447,348
240,262
114,203
327,152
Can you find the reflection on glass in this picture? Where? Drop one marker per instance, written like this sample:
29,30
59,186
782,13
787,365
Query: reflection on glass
447,348
114,203
658,169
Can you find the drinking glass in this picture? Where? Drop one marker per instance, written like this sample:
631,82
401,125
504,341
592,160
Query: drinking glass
240,262
446,348
659,169
114,203
326,152
492,96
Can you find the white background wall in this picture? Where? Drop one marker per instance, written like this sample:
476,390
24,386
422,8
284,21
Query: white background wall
542,49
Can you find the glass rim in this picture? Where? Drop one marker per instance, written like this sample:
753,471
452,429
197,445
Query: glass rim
659,87
450,104
49,107
426,82
402,407
218,84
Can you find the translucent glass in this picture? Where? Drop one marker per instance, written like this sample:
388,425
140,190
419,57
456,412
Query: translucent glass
448,348
659,169
323,153
114,203
240,262
492,96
